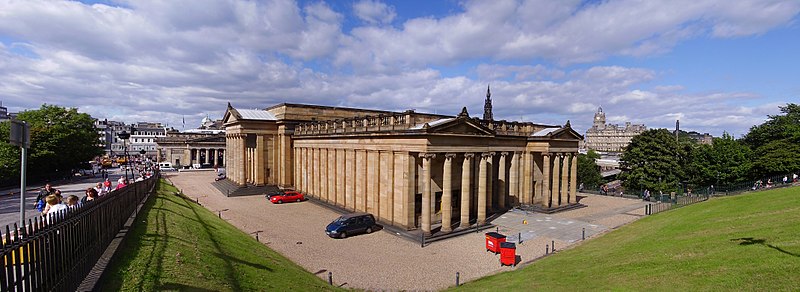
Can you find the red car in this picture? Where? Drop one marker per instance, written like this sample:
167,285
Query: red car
287,196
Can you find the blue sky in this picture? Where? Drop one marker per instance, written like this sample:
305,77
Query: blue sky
716,65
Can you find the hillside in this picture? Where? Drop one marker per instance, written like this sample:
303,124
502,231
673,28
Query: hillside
746,242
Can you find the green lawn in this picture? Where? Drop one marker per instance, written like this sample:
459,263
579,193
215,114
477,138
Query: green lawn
746,242
179,245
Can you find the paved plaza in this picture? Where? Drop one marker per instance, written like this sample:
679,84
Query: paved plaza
383,260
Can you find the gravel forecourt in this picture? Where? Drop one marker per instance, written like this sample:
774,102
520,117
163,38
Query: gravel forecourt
385,261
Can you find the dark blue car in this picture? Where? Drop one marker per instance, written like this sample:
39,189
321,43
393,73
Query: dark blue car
350,224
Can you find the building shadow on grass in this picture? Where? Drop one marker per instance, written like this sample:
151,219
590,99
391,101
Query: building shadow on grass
182,287
752,241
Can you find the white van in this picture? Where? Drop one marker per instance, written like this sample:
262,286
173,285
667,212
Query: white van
166,166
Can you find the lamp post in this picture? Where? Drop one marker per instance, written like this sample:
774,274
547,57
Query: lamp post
125,136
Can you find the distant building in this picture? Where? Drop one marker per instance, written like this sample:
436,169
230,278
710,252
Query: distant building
204,146
143,137
604,137
704,138
3,112
107,132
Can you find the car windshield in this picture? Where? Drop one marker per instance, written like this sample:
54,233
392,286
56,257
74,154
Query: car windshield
340,220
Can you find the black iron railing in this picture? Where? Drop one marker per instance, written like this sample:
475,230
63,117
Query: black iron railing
57,251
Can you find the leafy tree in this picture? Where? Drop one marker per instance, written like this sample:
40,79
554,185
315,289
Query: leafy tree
775,143
777,157
777,127
725,162
653,161
588,171
61,138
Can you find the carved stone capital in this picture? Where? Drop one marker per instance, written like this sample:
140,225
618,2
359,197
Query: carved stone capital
427,155
469,155
449,155
504,153
487,155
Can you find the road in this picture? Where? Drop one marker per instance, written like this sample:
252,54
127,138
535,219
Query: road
9,204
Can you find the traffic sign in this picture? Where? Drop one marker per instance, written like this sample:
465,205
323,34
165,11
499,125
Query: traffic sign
20,134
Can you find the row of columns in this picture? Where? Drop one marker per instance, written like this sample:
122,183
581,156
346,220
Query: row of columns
374,181
556,188
210,153
385,182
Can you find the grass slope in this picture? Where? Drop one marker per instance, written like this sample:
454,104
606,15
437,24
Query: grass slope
179,245
747,242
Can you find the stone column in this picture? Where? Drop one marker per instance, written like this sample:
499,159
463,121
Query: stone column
527,182
490,201
425,221
573,178
259,170
538,191
513,177
546,199
556,194
208,155
466,178
482,182
501,181
564,179
447,192
243,149
197,156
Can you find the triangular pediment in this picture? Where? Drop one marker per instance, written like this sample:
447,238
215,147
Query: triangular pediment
461,126
565,133
231,115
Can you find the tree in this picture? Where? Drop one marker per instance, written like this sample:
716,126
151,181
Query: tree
776,142
727,161
777,127
61,138
653,161
588,171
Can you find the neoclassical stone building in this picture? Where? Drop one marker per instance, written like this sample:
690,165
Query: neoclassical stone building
412,170
610,137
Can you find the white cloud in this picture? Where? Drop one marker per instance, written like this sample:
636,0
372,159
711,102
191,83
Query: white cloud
160,60
374,12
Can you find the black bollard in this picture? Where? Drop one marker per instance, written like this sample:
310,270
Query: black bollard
583,234
257,237
553,245
498,229
546,249
330,278
219,213
457,276
519,235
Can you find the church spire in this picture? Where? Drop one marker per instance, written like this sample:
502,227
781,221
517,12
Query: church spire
487,106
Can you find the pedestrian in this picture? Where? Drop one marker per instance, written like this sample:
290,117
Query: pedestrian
121,183
53,204
91,195
785,179
72,201
794,177
40,203
106,187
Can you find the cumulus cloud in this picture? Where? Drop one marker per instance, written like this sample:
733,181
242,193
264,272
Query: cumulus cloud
160,60
374,12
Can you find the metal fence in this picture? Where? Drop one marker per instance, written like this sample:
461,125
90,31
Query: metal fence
56,252
678,201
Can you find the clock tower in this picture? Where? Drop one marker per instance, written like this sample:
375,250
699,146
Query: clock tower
599,119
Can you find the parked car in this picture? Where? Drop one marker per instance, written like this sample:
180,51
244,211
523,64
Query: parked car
273,193
166,166
290,196
350,224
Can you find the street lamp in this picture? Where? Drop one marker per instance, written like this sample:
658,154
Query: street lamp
125,136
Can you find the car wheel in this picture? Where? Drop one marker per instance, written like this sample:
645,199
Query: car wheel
369,230
298,200
280,202
343,235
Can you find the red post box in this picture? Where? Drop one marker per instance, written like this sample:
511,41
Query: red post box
493,241
508,254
